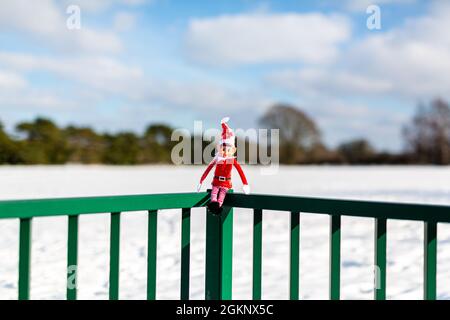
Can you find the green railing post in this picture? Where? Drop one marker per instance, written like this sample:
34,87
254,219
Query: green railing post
335,257
430,260
219,253
72,257
294,256
257,253
24,258
185,252
380,259
152,253
114,256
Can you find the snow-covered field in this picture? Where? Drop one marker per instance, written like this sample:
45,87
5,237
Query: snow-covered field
405,248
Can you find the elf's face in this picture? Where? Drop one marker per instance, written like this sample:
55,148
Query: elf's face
226,150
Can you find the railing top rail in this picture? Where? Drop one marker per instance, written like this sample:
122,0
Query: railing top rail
104,204
358,208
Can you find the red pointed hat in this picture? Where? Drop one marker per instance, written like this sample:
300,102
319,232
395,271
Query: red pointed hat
227,133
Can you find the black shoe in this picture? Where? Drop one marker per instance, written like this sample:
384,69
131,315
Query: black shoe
214,207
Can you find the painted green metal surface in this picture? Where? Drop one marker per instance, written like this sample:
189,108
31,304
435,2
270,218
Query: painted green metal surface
114,256
185,252
72,257
227,253
430,259
219,254
388,210
257,253
213,256
294,256
24,258
152,246
380,259
71,206
219,244
335,257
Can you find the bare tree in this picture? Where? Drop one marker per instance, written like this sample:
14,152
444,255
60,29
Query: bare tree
298,132
428,135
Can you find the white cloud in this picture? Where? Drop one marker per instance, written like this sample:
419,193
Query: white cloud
205,97
99,73
124,21
361,5
406,64
11,81
414,58
45,22
24,102
411,61
32,100
18,96
318,81
96,6
266,38
94,80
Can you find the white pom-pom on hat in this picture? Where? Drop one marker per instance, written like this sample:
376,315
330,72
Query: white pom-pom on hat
224,120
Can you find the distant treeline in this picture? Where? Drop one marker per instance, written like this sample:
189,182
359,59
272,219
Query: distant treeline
426,137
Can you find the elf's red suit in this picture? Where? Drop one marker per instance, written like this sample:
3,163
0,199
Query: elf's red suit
222,174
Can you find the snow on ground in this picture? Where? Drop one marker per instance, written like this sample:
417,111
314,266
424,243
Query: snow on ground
387,183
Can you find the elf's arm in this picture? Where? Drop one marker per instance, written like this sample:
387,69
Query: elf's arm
208,169
243,178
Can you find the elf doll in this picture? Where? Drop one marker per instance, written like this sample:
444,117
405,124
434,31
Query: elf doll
224,161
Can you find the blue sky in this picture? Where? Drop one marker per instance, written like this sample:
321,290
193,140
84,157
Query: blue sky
135,62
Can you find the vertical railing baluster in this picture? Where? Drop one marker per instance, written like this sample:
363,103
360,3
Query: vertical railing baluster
227,253
185,252
24,258
72,257
380,259
219,255
114,256
257,253
152,254
294,256
335,257
430,260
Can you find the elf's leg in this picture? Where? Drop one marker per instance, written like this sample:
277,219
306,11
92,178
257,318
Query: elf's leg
222,193
214,192
213,205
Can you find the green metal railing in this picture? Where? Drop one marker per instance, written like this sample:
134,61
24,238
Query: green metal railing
219,236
